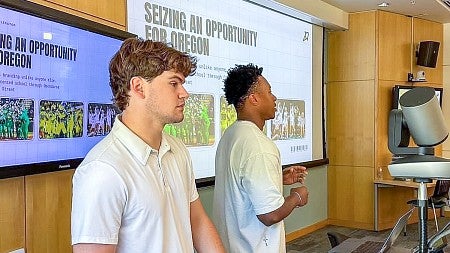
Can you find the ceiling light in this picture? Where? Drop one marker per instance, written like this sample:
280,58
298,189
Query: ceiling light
383,4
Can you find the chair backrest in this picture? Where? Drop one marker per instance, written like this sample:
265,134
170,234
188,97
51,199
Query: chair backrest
336,238
441,189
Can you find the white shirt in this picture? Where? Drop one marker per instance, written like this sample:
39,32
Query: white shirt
127,193
249,182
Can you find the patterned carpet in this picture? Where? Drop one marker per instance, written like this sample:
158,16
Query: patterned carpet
318,240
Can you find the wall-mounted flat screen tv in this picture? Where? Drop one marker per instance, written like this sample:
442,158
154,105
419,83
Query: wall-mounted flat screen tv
55,99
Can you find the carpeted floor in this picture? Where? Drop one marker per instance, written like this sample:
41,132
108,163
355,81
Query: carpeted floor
318,240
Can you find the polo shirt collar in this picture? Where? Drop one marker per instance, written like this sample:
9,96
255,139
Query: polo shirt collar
136,146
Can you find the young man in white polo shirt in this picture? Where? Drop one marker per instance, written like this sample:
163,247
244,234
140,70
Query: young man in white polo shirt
135,190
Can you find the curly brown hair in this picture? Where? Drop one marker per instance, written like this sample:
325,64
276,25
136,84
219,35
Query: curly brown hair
146,59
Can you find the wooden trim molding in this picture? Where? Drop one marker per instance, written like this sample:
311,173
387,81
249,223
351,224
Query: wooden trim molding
306,230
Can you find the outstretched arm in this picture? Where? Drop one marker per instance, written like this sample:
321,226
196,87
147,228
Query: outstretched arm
204,234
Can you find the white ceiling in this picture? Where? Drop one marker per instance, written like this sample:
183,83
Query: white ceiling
435,10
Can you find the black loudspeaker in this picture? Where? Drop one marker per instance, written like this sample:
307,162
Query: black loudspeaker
428,53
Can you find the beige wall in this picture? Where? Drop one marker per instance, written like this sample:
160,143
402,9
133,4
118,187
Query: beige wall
446,81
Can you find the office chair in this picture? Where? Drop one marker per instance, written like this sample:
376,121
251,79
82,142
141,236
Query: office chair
336,238
438,200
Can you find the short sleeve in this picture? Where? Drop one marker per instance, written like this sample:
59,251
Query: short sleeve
193,187
98,200
262,180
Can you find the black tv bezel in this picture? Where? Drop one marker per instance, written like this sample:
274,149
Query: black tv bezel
64,18
396,94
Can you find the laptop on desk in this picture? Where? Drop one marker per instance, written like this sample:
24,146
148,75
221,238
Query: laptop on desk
367,245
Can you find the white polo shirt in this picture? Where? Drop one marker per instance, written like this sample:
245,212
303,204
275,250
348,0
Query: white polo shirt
249,182
128,194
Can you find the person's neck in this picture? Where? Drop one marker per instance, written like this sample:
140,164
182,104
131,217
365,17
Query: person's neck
146,129
252,117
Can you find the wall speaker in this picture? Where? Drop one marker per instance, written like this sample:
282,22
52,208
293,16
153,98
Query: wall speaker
428,53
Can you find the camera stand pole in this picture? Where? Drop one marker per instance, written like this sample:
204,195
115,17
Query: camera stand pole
422,199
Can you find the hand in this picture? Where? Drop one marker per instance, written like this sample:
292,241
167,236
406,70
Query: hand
302,191
294,174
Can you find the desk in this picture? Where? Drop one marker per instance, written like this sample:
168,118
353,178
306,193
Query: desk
381,183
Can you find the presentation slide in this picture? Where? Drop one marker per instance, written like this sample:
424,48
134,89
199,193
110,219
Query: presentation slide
222,34
55,99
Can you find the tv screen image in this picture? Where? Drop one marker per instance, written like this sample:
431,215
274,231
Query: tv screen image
228,115
60,119
197,127
16,119
289,121
101,119
55,99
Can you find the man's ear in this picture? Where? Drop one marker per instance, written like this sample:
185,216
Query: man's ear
253,99
137,86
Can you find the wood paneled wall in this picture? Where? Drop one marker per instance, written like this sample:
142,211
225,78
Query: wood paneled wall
351,137
107,12
352,52
35,210
428,30
364,64
394,46
350,121
48,208
12,214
